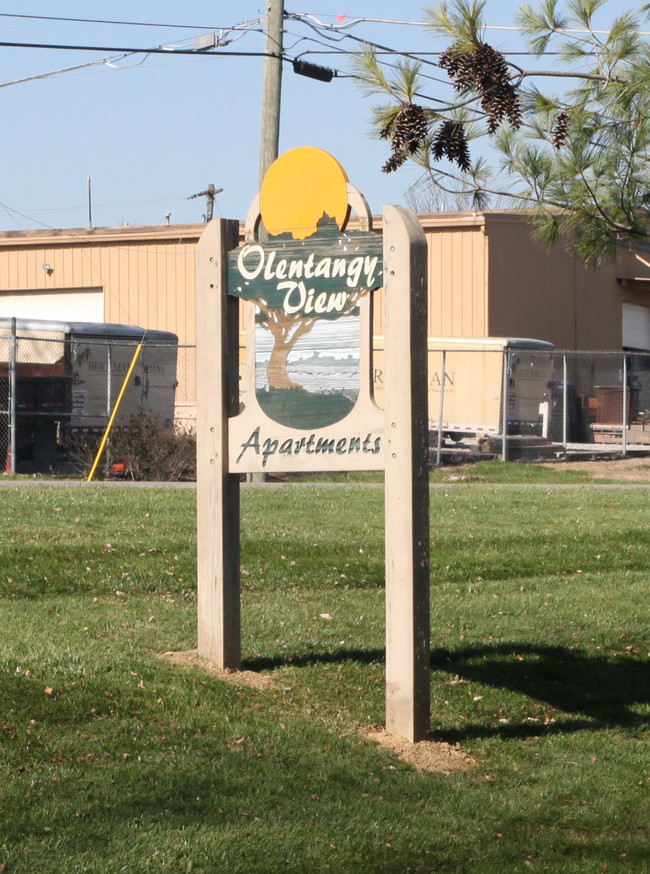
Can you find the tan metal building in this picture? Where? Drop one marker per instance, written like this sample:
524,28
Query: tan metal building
130,275
487,277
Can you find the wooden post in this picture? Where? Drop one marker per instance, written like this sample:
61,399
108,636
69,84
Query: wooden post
407,484
217,390
271,85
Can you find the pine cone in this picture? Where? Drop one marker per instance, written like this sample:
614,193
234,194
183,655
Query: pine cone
560,130
409,129
485,71
459,66
396,160
387,131
450,142
406,133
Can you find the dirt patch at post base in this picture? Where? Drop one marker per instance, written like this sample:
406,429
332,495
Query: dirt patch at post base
191,658
424,755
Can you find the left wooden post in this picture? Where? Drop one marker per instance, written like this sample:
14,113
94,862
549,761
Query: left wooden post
217,392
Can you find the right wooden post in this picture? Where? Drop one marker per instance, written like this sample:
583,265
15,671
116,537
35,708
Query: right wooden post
217,500
408,696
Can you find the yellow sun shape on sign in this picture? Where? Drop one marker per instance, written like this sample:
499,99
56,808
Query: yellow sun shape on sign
299,188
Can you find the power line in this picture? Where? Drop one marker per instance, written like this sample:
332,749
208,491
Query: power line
393,52
340,26
357,39
110,21
174,50
308,18
122,50
53,73
394,21
172,198
171,50
325,31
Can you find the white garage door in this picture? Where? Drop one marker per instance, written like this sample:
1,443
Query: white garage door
73,305
636,326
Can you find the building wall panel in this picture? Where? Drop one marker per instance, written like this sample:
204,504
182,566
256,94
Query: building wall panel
487,276
456,275
547,293
147,274
457,272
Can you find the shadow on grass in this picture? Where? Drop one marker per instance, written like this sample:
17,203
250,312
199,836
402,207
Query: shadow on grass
337,656
602,690
599,691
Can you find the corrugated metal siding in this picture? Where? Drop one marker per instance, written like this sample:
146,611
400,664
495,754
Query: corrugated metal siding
457,270
151,285
487,276
599,310
532,290
457,292
148,280
547,293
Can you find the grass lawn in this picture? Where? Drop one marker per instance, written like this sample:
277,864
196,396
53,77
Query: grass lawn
491,471
114,760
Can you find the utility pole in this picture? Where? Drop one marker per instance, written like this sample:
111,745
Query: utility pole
209,193
272,86
271,99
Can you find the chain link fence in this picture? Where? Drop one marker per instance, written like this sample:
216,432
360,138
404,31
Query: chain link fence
601,399
58,393
528,403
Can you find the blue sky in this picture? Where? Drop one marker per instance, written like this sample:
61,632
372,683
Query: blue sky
152,131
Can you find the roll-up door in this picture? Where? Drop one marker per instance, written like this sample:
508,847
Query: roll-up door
65,305
636,327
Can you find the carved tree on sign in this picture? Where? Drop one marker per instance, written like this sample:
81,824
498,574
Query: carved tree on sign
286,329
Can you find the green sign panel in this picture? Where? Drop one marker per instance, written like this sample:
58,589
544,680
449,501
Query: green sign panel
307,335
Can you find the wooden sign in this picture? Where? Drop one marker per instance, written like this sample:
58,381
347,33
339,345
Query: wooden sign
306,403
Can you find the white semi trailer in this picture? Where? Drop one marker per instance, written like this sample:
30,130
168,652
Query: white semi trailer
480,385
57,378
